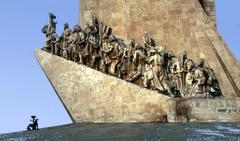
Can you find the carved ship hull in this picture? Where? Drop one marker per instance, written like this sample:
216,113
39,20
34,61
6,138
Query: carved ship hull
91,96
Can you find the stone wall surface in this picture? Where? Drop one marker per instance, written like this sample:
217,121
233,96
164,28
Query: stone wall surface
179,24
210,9
92,96
204,110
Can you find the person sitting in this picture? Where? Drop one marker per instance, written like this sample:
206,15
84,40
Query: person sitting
34,123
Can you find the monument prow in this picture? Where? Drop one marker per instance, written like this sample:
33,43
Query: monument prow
92,96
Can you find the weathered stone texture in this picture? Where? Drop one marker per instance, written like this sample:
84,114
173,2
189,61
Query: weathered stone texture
204,110
209,8
92,96
179,24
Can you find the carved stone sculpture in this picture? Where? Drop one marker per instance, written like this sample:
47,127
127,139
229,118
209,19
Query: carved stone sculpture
148,42
51,39
189,79
212,83
106,51
137,62
199,89
147,65
62,45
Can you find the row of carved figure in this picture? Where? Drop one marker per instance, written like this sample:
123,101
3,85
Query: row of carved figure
147,65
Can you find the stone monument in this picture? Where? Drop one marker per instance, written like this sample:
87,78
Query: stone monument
142,61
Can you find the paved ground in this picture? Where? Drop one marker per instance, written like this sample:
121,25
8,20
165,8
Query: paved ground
132,132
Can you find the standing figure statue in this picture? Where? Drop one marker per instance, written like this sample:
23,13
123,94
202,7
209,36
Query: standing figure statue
189,79
91,51
51,22
213,87
82,45
61,46
123,65
199,87
148,42
117,68
77,38
58,46
157,74
182,73
106,50
177,71
34,123
94,51
50,32
138,63
173,71
151,70
51,39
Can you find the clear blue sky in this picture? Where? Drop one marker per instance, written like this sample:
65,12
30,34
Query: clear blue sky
24,89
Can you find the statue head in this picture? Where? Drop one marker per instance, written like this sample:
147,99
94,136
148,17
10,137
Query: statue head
138,46
184,54
146,34
66,26
201,62
77,28
131,42
170,54
189,65
94,18
45,29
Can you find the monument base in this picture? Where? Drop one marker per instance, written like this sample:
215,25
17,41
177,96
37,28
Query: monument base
92,96
204,110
